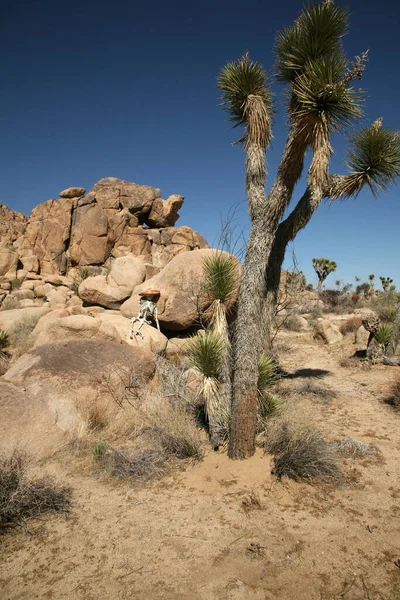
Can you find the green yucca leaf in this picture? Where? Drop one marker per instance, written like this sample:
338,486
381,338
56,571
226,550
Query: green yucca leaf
267,372
318,32
206,353
374,158
4,341
383,333
221,276
247,99
268,404
320,92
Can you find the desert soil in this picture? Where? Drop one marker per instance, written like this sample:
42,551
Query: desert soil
188,536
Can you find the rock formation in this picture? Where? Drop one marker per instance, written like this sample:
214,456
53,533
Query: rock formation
115,218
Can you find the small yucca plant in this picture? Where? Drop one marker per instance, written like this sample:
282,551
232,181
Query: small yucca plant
221,276
84,273
383,334
4,341
267,372
269,404
207,354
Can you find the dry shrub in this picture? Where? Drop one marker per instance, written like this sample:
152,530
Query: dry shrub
350,448
22,497
95,413
9,303
252,502
173,427
308,388
394,397
139,465
300,452
20,335
351,325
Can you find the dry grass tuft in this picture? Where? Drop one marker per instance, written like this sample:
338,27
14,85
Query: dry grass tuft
22,497
95,413
9,303
134,465
394,397
300,451
20,335
351,325
350,448
174,429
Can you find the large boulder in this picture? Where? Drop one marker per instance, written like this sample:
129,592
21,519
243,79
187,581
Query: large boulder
112,192
181,293
152,339
96,290
126,273
48,233
8,261
327,332
77,327
73,192
164,213
90,243
40,401
11,318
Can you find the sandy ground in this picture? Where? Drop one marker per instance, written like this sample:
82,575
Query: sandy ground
189,537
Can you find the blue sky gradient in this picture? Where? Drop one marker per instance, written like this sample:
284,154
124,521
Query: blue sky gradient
128,89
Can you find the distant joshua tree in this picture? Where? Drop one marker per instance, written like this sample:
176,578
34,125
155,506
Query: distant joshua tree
371,278
322,267
386,282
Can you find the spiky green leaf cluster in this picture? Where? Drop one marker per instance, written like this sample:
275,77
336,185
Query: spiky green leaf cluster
4,340
221,276
267,372
321,93
316,34
374,158
269,404
206,353
383,333
247,99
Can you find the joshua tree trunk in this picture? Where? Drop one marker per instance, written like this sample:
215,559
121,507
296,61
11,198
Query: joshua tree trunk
285,233
394,342
250,330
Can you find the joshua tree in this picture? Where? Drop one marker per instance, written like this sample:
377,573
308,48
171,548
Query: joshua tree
386,282
322,101
371,278
322,267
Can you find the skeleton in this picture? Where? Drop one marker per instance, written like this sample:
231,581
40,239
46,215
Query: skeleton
147,312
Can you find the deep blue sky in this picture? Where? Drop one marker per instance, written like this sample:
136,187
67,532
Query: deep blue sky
127,89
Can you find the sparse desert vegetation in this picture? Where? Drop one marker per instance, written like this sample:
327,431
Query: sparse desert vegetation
212,427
